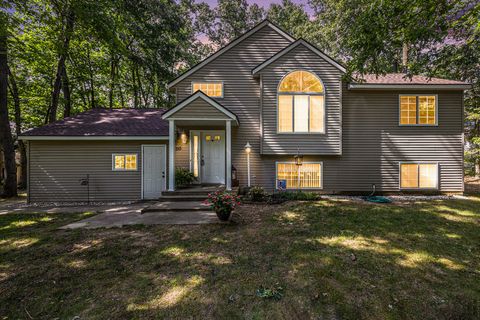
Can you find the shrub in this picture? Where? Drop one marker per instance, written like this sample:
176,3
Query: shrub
257,194
183,177
280,197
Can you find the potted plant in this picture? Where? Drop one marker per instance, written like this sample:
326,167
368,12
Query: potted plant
183,177
223,203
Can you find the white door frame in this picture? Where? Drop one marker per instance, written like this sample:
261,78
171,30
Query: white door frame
166,165
200,167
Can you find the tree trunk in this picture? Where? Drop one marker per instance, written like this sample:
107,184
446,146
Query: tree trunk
22,184
134,83
404,57
67,109
112,81
92,85
52,113
142,92
10,187
477,169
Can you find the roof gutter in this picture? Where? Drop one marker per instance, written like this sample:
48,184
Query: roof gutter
375,86
92,138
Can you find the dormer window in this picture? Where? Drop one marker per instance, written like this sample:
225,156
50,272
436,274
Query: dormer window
211,89
301,104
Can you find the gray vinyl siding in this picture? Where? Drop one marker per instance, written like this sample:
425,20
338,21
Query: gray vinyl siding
200,109
241,93
374,144
56,167
363,144
329,143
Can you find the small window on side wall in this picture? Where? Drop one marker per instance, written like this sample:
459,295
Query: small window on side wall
124,162
418,176
418,110
211,89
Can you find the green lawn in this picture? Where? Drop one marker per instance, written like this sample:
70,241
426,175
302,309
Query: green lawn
328,260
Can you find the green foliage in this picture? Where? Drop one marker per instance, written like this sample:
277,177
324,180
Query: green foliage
257,194
279,197
121,53
293,18
228,20
183,177
275,293
223,202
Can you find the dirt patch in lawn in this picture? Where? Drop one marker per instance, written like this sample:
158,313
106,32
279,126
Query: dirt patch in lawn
472,185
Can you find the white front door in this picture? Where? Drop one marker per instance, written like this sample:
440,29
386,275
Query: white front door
154,168
213,157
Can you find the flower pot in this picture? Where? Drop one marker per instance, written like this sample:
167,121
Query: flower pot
223,215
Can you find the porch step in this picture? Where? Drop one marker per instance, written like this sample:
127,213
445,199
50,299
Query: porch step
186,193
181,198
195,190
177,206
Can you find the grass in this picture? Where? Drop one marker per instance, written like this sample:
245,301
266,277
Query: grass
328,259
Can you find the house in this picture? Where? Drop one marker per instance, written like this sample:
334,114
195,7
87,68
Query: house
284,99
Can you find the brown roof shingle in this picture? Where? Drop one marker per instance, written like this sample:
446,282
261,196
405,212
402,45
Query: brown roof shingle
401,78
107,122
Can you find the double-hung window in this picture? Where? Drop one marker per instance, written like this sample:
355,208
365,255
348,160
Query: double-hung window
306,176
124,162
418,176
211,89
418,110
301,104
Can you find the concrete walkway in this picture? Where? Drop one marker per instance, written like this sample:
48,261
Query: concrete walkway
120,219
134,214
121,214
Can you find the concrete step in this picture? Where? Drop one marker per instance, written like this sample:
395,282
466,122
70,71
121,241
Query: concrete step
177,206
186,193
179,198
194,190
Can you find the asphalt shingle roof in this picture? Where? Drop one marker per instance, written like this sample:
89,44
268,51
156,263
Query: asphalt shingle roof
400,78
107,122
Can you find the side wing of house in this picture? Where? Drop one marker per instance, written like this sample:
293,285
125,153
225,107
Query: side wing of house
376,144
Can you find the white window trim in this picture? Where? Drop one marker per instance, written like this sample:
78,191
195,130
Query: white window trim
418,163
207,82
125,155
324,94
416,95
305,162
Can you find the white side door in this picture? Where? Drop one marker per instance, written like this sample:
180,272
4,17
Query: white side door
154,169
213,157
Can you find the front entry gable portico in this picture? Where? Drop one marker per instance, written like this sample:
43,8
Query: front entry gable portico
210,147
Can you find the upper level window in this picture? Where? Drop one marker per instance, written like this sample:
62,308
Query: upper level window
418,110
301,103
211,89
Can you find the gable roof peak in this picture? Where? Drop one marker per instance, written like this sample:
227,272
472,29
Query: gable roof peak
199,95
230,45
292,46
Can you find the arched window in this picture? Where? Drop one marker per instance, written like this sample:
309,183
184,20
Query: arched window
301,103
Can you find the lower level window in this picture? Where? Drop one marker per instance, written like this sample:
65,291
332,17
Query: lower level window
305,176
418,175
122,162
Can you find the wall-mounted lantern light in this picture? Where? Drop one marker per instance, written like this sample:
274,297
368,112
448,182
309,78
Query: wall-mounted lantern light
298,159
184,137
